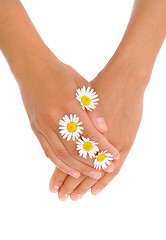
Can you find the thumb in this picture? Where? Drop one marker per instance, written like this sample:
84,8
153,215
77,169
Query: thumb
96,114
97,118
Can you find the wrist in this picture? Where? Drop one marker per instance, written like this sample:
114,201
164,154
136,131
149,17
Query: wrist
33,60
124,77
127,68
19,40
27,57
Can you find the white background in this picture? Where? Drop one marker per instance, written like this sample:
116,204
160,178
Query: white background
83,34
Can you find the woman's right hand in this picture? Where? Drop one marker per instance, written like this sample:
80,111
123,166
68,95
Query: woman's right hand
48,89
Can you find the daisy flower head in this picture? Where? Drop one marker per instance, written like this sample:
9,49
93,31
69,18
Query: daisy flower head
86,146
102,159
70,127
87,98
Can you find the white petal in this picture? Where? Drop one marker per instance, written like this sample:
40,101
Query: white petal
95,100
63,132
66,119
65,135
88,89
104,165
84,89
73,135
69,136
85,154
79,147
78,98
108,162
64,128
91,91
71,118
62,123
76,120
80,128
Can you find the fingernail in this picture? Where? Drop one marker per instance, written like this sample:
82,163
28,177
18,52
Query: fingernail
96,191
95,175
110,168
64,197
101,124
75,197
55,189
116,157
74,174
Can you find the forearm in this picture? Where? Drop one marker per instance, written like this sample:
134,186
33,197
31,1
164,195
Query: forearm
19,39
143,38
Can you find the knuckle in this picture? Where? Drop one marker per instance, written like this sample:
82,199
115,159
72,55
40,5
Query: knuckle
62,153
69,105
36,122
50,114
47,153
32,125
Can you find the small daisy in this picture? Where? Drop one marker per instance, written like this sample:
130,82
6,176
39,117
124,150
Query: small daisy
102,159
85,146
87,98
70,127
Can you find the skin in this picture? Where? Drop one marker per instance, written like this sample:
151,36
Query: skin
121,85
48,89
127,75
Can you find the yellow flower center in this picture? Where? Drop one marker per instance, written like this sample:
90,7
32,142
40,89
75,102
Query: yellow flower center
101,158
71,127
87,146
85,100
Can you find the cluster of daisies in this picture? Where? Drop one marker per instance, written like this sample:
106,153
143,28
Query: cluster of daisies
70,128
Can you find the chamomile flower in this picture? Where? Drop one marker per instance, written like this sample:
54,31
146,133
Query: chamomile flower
102,159
70,127
87,98
86,146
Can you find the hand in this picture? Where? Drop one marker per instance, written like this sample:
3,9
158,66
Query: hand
121,93
48,88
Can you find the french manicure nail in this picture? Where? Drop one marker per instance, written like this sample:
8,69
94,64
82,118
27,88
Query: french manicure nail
55,189
116,157
64,197
110,168
96,191
95,175
101,124
76,197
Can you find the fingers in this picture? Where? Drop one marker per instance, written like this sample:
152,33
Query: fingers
76,188
96,115
66,151
51,155
88,132
68,186
96,185
108,177
82,188
100,185
63,154
57,180
103,144
97,119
